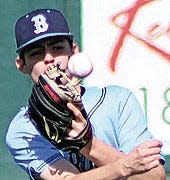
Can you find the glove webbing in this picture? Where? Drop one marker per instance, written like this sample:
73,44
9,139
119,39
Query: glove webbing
48,109
49,128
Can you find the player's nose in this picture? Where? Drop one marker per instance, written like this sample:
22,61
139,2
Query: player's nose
48,58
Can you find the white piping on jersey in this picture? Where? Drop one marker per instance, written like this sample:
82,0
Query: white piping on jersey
100,101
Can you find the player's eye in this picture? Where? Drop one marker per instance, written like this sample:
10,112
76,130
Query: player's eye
57,48
36,52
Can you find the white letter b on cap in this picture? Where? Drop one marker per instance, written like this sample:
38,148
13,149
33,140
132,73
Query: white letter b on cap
40,24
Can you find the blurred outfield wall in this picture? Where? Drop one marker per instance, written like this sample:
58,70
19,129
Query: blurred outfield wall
15,88
129,44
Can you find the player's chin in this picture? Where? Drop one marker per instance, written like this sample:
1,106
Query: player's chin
35,78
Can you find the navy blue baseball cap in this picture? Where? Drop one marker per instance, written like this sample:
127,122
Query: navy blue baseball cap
40,24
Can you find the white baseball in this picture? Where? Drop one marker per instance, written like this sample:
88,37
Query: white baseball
80,65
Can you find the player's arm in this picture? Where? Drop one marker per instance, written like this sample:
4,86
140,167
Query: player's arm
135,162
157,173
111,163
150,149
63,170
143,162
102,154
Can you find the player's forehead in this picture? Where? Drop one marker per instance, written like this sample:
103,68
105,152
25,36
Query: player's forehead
47,42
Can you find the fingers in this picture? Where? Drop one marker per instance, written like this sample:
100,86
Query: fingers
151,144
144,152
149,163
78,124
144,157
145,160
149,148
153,160
152,164
135,164
149,151
76,112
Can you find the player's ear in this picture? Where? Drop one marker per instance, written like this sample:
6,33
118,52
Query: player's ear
75,48
20,65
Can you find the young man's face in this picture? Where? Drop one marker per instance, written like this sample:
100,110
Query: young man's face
39,56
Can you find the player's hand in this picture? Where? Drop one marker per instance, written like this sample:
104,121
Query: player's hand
143,158
78,124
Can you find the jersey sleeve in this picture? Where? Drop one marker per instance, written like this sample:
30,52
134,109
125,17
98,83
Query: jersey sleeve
132,123
133,126
31,151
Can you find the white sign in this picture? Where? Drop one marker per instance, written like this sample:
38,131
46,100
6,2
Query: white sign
129,44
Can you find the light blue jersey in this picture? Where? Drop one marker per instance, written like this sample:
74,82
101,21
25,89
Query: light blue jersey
116,118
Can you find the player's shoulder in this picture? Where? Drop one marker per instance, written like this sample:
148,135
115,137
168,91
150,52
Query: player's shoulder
113,90
22,113
20,123
118,90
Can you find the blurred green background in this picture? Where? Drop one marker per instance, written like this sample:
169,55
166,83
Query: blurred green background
15,88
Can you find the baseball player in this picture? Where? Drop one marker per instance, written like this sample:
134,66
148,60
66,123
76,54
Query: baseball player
70,131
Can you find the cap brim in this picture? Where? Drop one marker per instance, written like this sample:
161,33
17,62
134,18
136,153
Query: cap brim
67,35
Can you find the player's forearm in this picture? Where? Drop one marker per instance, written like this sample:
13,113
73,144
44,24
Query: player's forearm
141,159
157,173
117,171
112,171
64,170
101,153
